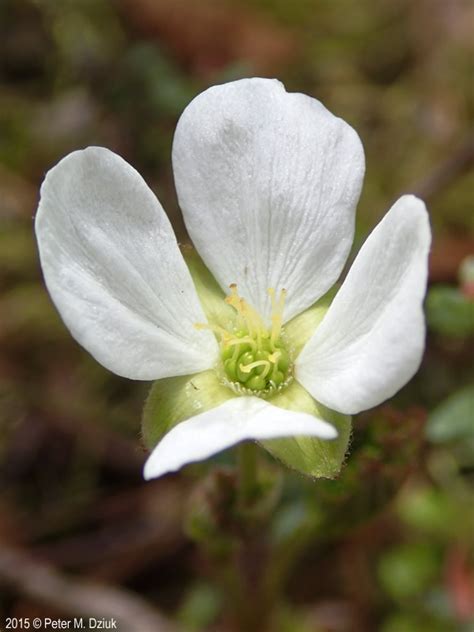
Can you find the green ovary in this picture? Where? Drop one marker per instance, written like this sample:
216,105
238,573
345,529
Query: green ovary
258,365
255,359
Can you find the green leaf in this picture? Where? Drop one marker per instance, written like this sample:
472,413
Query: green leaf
408,570
466,271
175,399
200,608
449,312
453,419
310,456
417,622
452,422
431,511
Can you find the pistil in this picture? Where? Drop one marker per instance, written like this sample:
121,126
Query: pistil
254,357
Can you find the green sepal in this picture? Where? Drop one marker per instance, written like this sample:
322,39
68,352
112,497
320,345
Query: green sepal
217,311
175,399
317,458
300,328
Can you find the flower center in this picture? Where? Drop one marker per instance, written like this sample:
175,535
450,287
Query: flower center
255,358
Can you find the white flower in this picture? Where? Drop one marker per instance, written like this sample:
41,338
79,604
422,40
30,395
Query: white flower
268,183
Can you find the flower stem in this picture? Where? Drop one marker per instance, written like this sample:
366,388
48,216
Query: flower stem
247,464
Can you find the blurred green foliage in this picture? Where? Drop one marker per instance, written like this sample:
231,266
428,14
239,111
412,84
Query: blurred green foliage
453,419
450,312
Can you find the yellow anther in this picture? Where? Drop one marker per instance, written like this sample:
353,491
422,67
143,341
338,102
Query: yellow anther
233,298
248,317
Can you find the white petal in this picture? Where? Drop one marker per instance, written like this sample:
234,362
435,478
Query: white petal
371,341
114,270
236,420
268,182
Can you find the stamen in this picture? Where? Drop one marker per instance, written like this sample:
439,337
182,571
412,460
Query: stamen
271,293
217,329
233,298
248,317
243,340
277,315
252,320
235,301
254,357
